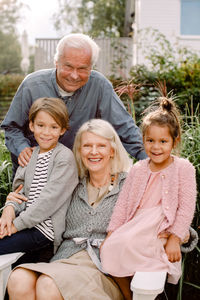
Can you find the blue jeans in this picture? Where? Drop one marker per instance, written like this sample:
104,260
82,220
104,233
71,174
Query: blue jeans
27,240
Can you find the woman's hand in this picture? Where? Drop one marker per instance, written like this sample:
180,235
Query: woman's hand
172,248
6,225
15,196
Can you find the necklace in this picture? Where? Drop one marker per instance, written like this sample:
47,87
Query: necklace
112,181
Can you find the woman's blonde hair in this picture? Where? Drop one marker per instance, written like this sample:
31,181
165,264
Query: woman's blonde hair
55,107
120,162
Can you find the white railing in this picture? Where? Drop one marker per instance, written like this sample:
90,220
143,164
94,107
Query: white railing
116,55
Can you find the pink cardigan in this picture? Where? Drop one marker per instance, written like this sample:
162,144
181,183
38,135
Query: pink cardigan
178,196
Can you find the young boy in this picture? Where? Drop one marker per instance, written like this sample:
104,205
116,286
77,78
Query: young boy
34,214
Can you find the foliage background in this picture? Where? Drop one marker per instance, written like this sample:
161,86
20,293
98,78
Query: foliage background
96,18
178,67
10,50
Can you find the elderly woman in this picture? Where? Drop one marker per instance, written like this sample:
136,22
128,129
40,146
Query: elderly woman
75,270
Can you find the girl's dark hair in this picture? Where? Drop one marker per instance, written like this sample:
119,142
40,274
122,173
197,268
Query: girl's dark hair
163,112
55,107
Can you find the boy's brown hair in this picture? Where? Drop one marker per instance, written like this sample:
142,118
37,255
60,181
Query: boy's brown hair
55,107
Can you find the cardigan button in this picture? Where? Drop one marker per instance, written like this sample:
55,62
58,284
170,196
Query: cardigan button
163,176
167,207
166,192
89,229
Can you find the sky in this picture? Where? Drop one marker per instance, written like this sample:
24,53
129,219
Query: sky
37,21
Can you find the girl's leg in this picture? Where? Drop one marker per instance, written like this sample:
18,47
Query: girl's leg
21,284
47,289
124,284
27,240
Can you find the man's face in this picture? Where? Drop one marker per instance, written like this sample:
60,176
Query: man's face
73,68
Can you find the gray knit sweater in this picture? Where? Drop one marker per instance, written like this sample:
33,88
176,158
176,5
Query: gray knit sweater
84,221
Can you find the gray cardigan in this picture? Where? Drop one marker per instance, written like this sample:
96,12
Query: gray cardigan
54,198
84,221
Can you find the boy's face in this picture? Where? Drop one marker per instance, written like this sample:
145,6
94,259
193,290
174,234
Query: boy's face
46,131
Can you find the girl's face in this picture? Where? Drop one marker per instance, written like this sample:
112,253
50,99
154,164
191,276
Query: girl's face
46,131
158,145
96,153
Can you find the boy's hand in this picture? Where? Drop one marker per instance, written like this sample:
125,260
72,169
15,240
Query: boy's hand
7,217
15,196
172,248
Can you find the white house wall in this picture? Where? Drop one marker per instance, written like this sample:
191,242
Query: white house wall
163,15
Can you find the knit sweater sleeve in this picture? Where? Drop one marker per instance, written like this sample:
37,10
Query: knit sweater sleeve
186,201
119,215
62,181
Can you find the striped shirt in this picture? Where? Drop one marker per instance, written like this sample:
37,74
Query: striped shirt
38,183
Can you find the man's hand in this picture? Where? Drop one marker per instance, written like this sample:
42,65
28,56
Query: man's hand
172,248
15,196
25,156
6,225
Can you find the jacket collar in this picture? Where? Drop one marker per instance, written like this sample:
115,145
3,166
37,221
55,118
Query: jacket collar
82,187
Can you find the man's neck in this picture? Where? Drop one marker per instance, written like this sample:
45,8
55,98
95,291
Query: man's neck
63,93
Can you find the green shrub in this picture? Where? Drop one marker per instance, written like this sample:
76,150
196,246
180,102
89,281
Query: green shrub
5,171
9,84
178,66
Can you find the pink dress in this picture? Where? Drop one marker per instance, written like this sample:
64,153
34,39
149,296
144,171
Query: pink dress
134,246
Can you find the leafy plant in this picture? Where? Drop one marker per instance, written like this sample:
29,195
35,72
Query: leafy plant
178,66
5,171
131,89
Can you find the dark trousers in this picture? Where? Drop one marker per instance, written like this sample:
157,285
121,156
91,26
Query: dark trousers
32,242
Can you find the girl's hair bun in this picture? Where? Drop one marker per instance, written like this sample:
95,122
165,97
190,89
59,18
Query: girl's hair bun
166,104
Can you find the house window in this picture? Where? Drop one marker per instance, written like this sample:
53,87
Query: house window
190,17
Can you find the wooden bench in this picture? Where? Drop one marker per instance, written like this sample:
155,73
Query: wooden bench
6,262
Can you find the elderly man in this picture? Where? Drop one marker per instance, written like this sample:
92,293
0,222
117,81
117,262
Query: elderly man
87,94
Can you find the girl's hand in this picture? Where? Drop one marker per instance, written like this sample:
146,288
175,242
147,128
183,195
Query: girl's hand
7,217
172,248
15,196
164,235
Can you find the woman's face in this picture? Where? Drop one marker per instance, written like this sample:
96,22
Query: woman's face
96,153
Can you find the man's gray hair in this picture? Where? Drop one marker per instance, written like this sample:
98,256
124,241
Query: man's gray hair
78,41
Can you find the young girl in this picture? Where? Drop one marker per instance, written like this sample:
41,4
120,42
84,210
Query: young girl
34,216
157,200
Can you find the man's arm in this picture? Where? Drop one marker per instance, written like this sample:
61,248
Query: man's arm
15,123
112,109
